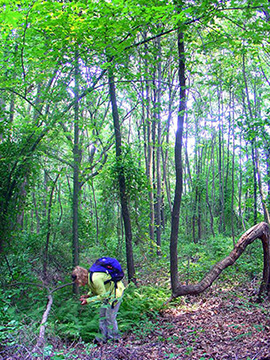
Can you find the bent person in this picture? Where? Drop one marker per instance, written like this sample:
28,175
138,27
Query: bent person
105,285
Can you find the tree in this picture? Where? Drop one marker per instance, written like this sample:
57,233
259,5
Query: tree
50,92
178,162
121,179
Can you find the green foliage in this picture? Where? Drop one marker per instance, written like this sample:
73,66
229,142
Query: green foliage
197,259
71,321
140,306
227,118
8,324
136,180
14,328
22,307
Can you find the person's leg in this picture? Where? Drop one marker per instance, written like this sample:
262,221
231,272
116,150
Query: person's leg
111,323
103,328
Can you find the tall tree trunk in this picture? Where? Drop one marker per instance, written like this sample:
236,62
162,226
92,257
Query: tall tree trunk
240,211
36,213
267,155
265,210
221,163
165,154
49,228
196,216
76,169
121,179
227,192
195,190
233,166
207,191
149,153
96,212
158,157
199,221
22,196
255,204
153,151
250,115
178,163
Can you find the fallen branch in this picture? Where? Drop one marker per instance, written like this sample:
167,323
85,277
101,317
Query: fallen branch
41,339
259,231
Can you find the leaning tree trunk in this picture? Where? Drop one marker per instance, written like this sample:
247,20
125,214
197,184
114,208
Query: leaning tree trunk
259,231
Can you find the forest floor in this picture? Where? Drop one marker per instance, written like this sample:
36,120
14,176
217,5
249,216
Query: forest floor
222,323
219,324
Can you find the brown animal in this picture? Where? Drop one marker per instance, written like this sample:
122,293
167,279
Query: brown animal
80,276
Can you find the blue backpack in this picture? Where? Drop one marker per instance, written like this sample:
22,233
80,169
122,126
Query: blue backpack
110,266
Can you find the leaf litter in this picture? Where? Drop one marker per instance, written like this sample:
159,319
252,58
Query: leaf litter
217,325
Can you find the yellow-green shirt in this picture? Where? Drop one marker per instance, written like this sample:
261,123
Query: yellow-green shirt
100,291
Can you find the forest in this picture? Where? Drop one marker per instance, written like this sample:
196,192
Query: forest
137,130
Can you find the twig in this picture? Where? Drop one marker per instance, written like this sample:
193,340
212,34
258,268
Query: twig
28,283
61,286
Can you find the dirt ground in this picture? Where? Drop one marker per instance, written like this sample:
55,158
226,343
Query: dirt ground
219,324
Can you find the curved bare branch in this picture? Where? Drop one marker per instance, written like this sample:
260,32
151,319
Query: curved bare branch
259,231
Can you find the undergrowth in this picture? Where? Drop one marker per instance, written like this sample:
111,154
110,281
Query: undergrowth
22,305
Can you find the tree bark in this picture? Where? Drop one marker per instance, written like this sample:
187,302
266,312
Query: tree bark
122,182
165,154
148,141
240,212
233,166
265,210
178,163
96,212
259,231
158,153
207,191
36,213
76,167
255,204
267,156
221,162
251,116
49,229
150,175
